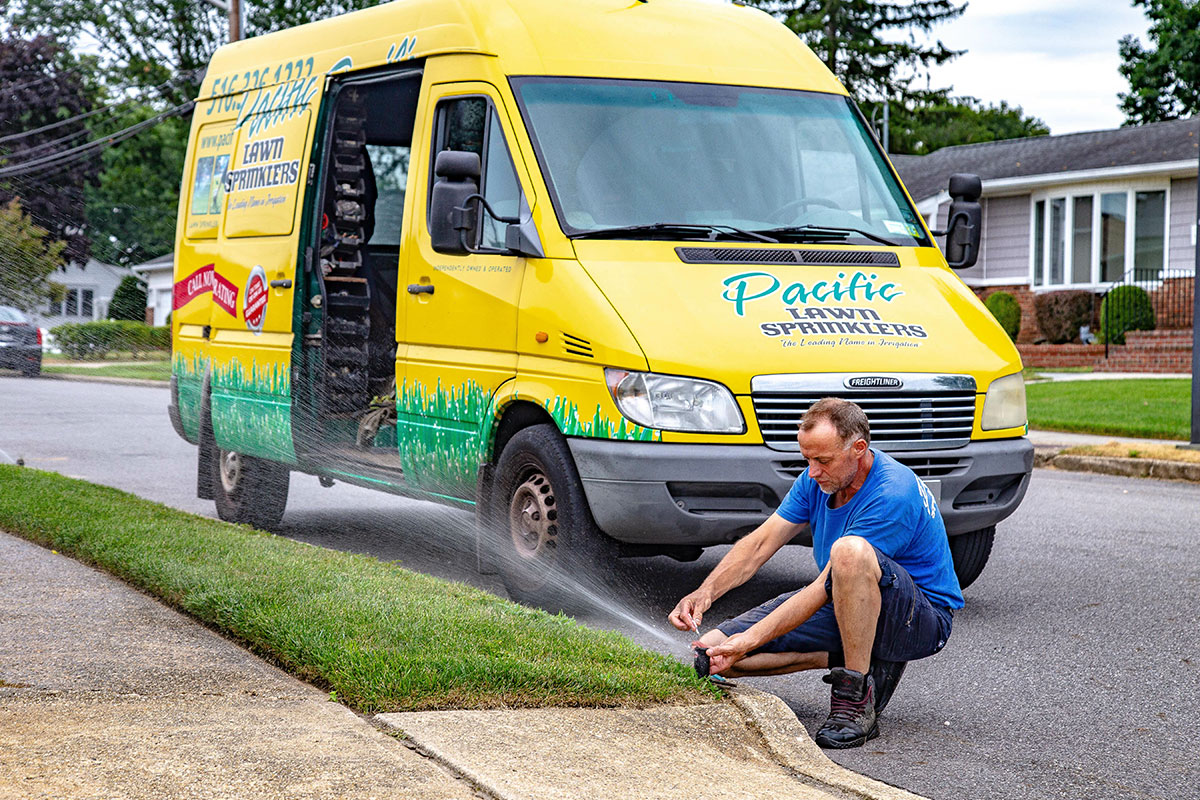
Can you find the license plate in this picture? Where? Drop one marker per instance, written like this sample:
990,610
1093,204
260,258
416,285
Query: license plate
935,488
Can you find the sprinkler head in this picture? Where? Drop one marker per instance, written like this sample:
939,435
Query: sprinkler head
702,662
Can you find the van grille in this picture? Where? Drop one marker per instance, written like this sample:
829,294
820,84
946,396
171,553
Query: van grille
801,257
925,467
939,414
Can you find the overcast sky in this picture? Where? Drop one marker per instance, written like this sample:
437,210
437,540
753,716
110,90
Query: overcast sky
1057,60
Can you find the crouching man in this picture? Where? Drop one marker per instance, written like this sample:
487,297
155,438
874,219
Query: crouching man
887,588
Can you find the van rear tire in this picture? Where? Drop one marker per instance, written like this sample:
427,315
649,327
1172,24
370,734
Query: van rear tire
248,490
970,552
546,545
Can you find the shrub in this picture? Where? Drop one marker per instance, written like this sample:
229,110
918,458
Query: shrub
1007,311
128,301
1061,314
98,339
1125,308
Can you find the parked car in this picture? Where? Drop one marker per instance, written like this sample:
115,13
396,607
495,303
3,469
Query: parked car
20,342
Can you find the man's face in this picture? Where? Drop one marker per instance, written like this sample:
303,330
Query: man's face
831,463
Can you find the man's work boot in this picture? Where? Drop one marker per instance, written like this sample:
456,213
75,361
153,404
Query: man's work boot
886,675
851,721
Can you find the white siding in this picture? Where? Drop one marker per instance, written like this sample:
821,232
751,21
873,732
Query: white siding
1182,254
1004,253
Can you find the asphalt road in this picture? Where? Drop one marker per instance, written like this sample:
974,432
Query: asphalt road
1073,672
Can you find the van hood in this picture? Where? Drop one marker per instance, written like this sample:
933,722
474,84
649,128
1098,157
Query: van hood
725,315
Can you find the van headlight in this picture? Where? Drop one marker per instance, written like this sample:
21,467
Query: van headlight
1004,404
671,403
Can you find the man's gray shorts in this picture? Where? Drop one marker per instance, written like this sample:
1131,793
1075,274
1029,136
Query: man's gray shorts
909,627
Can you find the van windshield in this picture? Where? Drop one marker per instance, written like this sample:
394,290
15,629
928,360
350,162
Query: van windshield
645,159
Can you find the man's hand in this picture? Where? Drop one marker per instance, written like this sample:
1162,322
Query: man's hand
689,611
724,655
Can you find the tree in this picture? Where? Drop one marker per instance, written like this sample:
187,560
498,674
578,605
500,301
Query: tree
924,127
28,257
1164,78
164,44
128,300
131,209
851,37
45,91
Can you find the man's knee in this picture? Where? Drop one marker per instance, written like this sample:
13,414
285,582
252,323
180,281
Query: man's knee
853,555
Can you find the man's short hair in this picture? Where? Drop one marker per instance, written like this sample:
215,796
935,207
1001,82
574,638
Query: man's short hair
847,418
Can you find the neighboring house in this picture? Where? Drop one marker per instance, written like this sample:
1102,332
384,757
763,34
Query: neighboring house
1078,211
89,290
158,275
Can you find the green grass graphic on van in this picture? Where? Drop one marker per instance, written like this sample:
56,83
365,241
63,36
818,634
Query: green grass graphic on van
252,409
440,435
566,415
443,433
189,381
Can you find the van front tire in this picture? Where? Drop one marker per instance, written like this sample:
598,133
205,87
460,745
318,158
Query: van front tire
249,490
545,542
970,552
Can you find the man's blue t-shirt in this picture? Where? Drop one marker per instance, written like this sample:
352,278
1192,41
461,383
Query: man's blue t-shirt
894,511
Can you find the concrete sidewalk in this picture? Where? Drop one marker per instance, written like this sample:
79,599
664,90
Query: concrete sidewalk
106,693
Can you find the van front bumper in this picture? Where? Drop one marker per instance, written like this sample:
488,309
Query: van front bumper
691,494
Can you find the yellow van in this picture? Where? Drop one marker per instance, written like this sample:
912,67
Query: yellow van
577,265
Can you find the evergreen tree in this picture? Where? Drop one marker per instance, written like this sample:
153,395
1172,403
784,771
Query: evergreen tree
128,300
852,38
1164,78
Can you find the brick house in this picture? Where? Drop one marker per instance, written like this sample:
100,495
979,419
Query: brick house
1082,211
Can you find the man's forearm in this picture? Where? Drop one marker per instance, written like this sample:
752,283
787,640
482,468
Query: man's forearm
791,614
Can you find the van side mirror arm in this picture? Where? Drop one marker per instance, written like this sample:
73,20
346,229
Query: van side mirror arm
516,239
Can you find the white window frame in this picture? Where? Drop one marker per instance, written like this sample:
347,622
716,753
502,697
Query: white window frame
1095,191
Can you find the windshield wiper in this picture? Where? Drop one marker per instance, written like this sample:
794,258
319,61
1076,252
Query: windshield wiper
822,232
679,230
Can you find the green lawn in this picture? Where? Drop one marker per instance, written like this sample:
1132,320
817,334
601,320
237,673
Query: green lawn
1152,408
380,636
146,370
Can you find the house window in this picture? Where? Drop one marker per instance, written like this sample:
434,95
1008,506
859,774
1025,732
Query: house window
85,303
1089,238
72,309
1112,236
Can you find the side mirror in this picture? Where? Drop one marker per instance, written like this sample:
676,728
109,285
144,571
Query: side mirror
451,217
964,224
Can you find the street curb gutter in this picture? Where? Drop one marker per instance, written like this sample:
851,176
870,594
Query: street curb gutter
106,379
1124,467
789,743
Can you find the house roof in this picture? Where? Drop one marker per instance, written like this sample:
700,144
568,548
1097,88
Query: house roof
163,262
1159,142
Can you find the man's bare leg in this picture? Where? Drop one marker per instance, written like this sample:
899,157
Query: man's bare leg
856,598
761,664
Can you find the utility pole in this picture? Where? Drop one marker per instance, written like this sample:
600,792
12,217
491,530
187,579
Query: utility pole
1195,441
234,9
235,20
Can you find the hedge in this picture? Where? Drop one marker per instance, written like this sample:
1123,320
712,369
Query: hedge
1060,315
85,340
1007,311
1125,308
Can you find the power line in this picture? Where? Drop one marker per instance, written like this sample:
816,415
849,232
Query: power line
102,109
86,150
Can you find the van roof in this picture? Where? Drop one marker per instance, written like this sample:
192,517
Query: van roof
686,40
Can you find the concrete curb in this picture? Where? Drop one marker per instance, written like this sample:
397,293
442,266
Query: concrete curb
1124,467
107,379
789,743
